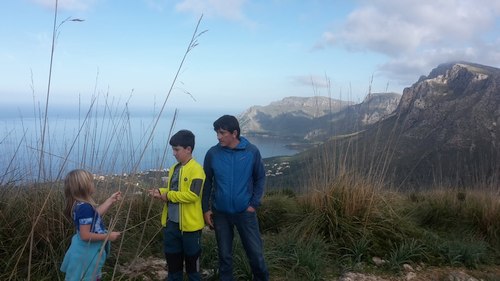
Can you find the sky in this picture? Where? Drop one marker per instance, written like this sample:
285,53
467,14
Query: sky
244,52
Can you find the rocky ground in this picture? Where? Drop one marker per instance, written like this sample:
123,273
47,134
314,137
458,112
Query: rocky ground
152,269
430,274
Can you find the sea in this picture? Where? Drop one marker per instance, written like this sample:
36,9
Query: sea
106,144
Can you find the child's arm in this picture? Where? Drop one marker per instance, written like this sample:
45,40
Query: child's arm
86,235
103,208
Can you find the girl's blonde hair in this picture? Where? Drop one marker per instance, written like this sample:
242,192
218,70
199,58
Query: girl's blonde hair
78,186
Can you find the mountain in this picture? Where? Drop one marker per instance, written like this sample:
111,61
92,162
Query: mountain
354,118
290,118
448,126
315,119
444,131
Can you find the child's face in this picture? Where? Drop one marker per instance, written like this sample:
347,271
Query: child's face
182,154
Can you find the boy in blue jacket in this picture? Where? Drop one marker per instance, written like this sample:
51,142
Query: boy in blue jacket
232,192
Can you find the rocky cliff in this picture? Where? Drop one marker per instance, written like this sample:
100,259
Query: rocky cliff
448,125
316,118
354,118
288,118
444,131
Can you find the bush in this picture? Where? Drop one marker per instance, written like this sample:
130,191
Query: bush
295,258
277,211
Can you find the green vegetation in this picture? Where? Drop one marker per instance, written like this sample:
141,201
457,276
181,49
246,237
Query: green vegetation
312,236
338,219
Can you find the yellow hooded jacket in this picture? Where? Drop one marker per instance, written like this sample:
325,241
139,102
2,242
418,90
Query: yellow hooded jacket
191,215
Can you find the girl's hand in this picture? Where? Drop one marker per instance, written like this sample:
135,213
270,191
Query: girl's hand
103,208
117,196
114,235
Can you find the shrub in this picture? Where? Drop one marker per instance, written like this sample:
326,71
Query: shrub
409,251
295,258
277,211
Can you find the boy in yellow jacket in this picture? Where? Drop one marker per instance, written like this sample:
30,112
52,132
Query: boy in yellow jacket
182,217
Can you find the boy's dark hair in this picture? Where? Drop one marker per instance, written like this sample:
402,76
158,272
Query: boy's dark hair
228,123
183,138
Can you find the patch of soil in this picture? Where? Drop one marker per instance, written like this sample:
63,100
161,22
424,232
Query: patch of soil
490,273
152,268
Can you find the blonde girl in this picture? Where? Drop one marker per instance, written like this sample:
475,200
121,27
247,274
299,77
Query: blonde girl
89,246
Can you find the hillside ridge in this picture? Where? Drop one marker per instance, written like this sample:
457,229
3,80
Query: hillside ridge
315,119
444,131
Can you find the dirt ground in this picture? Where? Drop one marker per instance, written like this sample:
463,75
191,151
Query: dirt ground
153,269
490,273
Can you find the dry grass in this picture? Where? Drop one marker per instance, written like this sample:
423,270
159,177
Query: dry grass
34,234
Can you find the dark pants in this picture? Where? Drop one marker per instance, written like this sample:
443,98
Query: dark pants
248,228
182,247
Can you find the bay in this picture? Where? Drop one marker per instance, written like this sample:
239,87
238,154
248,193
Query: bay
118,144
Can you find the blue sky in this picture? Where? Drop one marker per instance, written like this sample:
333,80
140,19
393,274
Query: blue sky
252,53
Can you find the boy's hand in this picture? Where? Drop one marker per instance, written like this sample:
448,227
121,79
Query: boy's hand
209,219
155,193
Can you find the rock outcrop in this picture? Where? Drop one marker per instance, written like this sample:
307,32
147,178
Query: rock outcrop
449,124
315,119
444,132
289,118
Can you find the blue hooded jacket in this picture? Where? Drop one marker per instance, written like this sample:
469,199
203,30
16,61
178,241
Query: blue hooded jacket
235,178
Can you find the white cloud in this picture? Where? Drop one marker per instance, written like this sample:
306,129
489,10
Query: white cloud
395,27
70,5
416,35
407,68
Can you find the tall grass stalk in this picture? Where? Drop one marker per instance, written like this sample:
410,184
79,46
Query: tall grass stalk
41,162
99,147
193,43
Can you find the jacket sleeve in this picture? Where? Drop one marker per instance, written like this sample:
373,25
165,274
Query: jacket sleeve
259,180
190,191
189,196
207,187
163,190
